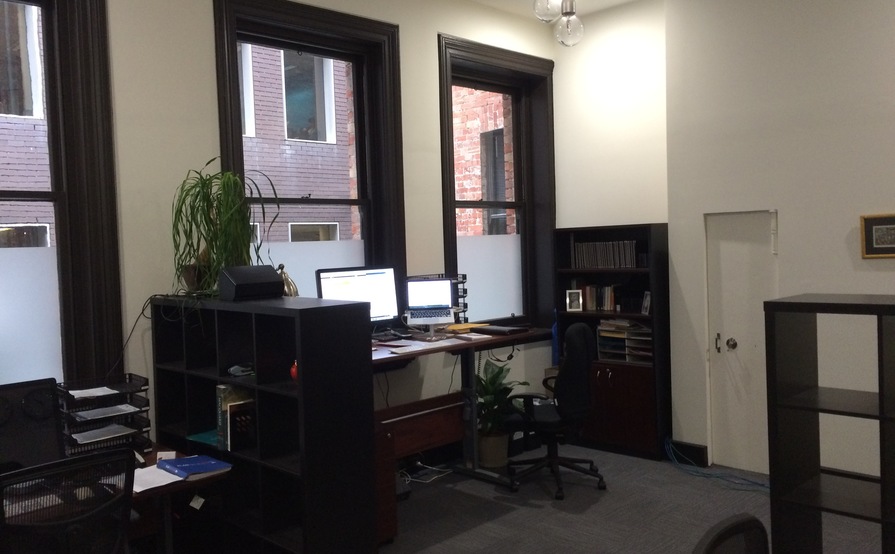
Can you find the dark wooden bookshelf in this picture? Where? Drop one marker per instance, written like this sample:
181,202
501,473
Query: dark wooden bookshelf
801,488
631,393
306,484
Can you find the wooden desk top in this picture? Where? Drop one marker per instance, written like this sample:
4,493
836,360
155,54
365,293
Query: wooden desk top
382,354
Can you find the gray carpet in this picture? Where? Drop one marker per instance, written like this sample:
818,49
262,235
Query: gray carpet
648,507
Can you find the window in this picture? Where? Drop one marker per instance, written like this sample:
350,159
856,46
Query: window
21,88
327,132
497,165
313,232
308,83
47,245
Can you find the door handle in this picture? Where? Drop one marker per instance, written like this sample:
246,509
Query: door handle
731,343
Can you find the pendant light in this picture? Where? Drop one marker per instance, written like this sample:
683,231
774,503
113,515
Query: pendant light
569,29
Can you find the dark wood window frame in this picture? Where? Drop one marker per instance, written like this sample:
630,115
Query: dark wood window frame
79,122
373,46
531,78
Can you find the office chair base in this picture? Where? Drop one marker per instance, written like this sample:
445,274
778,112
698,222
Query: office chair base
554,463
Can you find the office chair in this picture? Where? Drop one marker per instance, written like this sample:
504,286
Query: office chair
556,421
73,505
737,534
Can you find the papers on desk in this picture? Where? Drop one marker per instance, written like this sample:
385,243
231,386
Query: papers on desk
151,477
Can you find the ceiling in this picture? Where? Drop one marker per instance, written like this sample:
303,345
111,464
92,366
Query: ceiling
524,7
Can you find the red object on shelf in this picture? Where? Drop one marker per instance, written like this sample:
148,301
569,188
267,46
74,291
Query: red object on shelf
293,371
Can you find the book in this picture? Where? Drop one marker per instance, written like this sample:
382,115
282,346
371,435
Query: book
193,467
241,425
226,395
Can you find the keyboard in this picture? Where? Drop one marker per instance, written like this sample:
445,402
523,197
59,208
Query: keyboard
403,349
437,312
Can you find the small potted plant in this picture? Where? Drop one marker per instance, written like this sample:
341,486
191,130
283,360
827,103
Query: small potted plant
492,394
212,226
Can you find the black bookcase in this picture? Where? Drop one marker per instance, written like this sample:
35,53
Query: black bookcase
622,275
305,483
801,489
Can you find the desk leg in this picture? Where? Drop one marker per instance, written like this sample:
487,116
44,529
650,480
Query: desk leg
168,523
470,466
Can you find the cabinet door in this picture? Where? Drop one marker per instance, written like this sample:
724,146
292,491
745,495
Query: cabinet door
623,414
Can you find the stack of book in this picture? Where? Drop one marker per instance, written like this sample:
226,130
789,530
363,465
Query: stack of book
623,340
611,254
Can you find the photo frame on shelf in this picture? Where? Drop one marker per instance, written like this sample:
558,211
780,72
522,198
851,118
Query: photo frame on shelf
878,236
574,301
644,309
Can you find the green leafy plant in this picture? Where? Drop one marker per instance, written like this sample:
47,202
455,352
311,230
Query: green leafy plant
212,226
492,393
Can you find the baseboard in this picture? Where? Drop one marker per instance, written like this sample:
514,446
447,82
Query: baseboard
690,454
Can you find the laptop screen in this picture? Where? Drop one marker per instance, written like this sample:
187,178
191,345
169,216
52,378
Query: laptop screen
429,293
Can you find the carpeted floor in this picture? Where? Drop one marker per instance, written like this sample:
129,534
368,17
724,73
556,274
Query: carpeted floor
648,507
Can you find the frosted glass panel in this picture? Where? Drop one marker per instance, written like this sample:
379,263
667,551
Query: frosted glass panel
493,268
30,328
302,259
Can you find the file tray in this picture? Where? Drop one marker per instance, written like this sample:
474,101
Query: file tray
105,413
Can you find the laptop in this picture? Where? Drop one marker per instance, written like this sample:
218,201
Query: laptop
430,301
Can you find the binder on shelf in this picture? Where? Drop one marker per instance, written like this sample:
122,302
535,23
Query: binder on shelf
193,467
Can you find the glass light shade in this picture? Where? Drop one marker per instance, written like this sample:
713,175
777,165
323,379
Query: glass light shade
547,10
569,30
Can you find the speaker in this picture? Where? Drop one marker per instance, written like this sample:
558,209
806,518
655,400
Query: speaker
249,282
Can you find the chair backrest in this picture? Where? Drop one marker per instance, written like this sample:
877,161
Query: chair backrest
79,504
572,390
737,534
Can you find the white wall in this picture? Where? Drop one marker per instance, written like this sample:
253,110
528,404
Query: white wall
165,122
776,105
609,97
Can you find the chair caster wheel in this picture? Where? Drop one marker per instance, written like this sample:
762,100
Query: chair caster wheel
559,495
601,485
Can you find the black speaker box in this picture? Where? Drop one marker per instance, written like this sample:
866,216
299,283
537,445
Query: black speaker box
249,282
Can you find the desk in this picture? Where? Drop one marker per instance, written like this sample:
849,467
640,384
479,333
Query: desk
150,503
417,426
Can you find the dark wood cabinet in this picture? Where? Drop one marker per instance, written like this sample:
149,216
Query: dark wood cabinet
621,275
305,480
801,488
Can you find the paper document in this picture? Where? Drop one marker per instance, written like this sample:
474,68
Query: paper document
105,412
151,477
109,431
90,393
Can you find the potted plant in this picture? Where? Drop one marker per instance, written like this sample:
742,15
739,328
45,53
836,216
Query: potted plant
212,226
492,395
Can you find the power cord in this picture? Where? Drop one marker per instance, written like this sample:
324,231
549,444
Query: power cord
433,473
130,334
739,483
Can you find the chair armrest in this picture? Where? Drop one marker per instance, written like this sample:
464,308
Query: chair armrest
528,399
548,382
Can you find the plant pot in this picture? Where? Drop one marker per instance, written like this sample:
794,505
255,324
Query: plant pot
493,450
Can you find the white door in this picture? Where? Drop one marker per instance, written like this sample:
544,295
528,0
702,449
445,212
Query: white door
741,270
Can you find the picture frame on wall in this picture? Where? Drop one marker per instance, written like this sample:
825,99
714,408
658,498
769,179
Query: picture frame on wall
574,302
878,236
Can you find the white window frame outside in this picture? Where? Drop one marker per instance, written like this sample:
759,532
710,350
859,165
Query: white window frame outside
247,84
323,79
333,226
35,64
46,226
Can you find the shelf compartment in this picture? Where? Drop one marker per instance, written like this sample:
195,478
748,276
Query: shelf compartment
279,426
837,494
835,401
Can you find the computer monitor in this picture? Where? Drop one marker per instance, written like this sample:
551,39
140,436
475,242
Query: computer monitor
30,424
362,284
